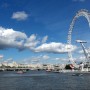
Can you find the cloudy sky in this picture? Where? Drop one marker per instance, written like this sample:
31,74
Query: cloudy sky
37,30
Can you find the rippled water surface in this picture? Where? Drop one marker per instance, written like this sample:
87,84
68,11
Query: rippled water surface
41,80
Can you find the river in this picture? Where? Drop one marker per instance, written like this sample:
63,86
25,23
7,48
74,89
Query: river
42,80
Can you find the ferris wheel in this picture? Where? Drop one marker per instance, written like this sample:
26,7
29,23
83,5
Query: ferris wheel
84,13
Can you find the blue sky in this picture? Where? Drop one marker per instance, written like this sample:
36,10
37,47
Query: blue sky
44,20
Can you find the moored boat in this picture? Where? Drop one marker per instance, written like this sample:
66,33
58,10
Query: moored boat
77,74
21,72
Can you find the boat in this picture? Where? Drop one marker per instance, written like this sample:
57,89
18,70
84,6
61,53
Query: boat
48,70
77,74
56,71
21,72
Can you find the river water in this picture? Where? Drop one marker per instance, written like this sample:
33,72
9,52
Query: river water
41,80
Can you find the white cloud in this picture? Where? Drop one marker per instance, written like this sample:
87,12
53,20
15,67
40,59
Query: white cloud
44,39
79,59
54,47
87,51
1,56
36,59
22,15
10,38
10,59
61,59
82,58
11,34
79,0
45,57
31,41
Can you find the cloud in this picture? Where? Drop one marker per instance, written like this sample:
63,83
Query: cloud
9,59
80,51
31,42
44,39
87,51
41,57
82,58
62,59
45,57
10,38
36,59
54,47
20,15
1,56
79,0
79,59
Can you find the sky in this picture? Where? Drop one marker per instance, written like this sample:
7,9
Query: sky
36,31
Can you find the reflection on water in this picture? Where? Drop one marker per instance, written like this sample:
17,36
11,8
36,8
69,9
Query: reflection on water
41,80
